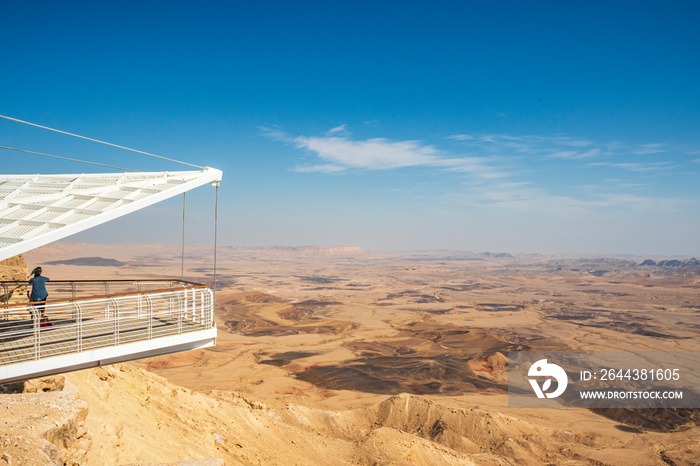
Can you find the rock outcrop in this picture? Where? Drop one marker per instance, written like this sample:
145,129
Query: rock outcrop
14,269
44,428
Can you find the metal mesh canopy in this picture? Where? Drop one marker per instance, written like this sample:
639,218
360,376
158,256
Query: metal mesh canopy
39,209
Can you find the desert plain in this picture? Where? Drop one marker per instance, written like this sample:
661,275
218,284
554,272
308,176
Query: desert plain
335,355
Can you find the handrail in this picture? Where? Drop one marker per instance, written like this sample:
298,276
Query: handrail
119,280
190,285
134,293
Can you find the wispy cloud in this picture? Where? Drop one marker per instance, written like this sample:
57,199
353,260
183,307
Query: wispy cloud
553,146
371,154
339,129
637,166
339,152
570,154
517,173
521,197
646,149
559,147
461,137
274,133
324,168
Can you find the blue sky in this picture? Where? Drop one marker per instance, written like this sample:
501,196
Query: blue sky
503,126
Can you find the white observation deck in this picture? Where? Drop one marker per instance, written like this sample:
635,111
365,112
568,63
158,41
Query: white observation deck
101,322
94,322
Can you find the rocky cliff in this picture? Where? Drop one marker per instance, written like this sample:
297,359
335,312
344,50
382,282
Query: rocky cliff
14,269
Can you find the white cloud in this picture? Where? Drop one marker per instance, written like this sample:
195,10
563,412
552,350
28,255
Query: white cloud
339,152
506,172
644,167
326,168
273,133
372,154
483,156
518,197
646,149
461,137
589,153
615,146
568,154
575,142
338,129
559,140
563,147
643,203
524,198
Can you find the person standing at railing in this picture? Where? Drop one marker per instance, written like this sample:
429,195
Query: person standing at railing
39,293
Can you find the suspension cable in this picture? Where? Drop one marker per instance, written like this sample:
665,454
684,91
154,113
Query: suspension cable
67,158
184,199
97,140
216,230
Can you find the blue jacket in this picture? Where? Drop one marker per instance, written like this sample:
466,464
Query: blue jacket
39,292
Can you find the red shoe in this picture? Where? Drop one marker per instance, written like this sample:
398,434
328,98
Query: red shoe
46,324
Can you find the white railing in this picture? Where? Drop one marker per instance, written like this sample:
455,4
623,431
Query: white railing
76,324
71,289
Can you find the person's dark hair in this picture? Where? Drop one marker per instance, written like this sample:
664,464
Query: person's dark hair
36,271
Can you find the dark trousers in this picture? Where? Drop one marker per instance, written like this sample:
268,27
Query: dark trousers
40,307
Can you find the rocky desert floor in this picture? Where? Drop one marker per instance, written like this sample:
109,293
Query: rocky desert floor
339,356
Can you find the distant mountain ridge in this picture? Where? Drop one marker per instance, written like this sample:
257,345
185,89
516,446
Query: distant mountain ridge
673,263
89,261
324,250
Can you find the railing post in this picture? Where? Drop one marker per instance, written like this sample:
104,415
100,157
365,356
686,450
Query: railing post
201,306
194,306
139,301
149,307
7,300
79,319
186,304
180,306
73,289
116,321
37,328
212,303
